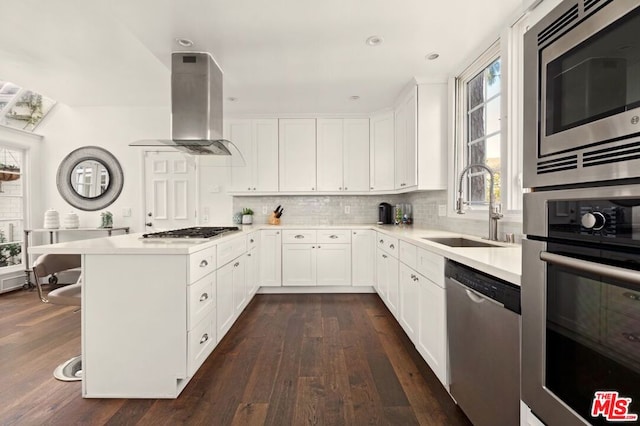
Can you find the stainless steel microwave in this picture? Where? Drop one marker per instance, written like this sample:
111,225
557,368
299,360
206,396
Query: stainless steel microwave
582,94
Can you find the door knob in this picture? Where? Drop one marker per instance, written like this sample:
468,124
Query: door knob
149,224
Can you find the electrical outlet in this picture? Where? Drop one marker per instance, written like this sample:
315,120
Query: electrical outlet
442,209
265,209
347,209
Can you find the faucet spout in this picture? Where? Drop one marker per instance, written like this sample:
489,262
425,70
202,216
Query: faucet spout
495,213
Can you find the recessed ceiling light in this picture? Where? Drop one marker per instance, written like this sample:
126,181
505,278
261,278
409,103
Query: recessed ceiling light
374,40
432,56
184,42
232,99
354,97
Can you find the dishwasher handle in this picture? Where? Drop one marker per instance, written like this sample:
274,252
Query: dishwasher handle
475,296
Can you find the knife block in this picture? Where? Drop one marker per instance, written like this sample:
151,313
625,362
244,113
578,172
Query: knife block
273,220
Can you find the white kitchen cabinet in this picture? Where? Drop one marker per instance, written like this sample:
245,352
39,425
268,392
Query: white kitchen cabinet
363,253
224,300
333,264
409,288
297,154
387,280
257,141
270,258
432,136
252,272
432,328
342,154
239,285
382,152
299,264
406,141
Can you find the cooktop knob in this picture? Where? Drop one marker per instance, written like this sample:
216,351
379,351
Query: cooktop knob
593,220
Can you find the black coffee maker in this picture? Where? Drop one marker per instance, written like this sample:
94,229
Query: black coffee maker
385,214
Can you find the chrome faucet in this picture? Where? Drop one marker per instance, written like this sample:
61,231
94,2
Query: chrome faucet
494,210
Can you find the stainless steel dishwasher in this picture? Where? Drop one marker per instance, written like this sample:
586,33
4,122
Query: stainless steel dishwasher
483,325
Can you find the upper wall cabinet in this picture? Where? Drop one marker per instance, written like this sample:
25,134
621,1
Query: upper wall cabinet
406,160
432,136
257,141
382,153
297,154
342,154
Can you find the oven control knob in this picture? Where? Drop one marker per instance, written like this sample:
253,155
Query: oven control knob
594,220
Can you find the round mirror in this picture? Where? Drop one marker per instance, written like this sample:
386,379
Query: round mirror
90,178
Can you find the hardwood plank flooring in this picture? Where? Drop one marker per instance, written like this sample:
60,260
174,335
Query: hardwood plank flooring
315,359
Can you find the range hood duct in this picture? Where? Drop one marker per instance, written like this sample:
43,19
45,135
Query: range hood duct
196,107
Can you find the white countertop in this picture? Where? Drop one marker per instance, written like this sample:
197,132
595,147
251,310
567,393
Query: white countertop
501,262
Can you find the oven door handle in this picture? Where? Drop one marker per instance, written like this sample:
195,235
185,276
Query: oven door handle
622,274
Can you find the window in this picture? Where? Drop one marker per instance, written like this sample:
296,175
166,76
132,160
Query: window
11,206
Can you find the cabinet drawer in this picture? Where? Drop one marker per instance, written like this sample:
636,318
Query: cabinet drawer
253,239
298,237
431,266
202,299
202,340
229,250
408,254
334,236
202,263
388,244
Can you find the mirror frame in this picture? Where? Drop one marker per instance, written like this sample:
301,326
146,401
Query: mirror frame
68,165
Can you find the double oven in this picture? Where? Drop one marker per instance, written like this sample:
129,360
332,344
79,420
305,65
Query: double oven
581,254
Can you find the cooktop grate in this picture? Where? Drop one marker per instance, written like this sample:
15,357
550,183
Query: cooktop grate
193,232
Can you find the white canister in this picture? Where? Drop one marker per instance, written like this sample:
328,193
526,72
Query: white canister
71,221
51,219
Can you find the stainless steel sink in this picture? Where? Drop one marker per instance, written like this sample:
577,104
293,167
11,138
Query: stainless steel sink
461,242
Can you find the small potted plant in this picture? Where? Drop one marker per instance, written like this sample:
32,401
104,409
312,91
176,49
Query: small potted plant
247,216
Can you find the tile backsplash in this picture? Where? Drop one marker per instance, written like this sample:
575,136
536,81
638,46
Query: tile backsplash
330,210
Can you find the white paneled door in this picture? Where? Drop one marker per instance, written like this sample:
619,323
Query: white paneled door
170,193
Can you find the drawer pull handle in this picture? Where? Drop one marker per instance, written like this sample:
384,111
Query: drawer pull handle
333,237
391,246
235,265
381,241
384,256
248,254
416,279
632,296
204,264
631,337
251,240
277,232
299,236
204,297
204,338
413,276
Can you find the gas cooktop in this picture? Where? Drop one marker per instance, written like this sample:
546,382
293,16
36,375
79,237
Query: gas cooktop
194,232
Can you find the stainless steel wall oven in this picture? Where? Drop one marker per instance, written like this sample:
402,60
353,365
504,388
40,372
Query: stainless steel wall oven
582,94
581,301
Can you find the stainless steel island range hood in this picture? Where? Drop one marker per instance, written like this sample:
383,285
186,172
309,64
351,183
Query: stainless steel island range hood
196,107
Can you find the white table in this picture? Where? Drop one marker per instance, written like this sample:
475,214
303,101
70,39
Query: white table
53,238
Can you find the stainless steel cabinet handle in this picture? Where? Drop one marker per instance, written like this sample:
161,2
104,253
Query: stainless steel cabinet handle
626,275
333,237
204,297
313,189
251,240
384,256
249,189
299,236
632,296
631,337
371,187
413,276
340,188
381,241
391,246
204,264
248,254
318,246
277,232
204,338
235,265
345,188
254,189
416,279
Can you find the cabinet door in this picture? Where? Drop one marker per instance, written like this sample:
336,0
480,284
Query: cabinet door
363,256
356,158
265,161
239,132
333,264
270,259
432,327
409,284
406,142
330,154
239,285
382,155
393,292
252,271
297,153
400,122
224,299
382,279
298,264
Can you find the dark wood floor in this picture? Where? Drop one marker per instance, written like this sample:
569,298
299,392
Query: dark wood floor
288,360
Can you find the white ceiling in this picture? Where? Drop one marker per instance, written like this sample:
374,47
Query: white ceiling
278,56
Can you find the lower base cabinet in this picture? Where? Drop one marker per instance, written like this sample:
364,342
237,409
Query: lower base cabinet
409,286
230,295
432,328
387,280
